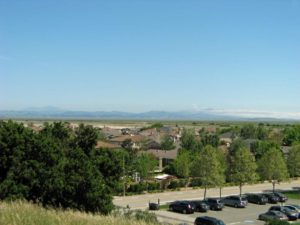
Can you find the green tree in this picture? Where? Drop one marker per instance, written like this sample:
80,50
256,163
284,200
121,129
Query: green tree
262,132
272,166
167,143
182,164
86,138
261,147
248,131
110,164
188,140
223,168
291,135
207,167
145,164
243,167
210,139
293,161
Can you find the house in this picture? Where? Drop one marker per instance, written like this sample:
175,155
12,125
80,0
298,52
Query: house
226,138
164,156
137,140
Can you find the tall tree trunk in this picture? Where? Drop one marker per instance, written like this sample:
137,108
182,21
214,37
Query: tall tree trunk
273,183
240,189
220,192
205,192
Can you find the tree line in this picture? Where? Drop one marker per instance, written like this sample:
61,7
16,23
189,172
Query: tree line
214,166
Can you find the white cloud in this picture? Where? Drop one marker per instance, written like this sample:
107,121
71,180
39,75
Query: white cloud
257,113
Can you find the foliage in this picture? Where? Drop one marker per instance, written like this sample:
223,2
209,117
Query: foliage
55,167
293,161
210,139
167,143
145,164
261,147
188,141
243,168
291,135
277,222
182,164
272,166
248,131
207,167
86,138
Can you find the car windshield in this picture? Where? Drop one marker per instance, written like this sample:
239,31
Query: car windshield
296,206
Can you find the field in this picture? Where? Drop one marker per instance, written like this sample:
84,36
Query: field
22,213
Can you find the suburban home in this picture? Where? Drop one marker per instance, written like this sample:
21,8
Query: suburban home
226,138
164,157
137,140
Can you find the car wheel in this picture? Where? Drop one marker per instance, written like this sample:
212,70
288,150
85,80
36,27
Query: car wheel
184,211
235,206
171,208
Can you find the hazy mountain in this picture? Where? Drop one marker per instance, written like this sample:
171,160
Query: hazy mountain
56,113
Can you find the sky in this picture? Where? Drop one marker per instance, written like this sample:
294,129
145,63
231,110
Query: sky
139,55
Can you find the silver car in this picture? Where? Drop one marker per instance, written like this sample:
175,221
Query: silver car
236,201
273,215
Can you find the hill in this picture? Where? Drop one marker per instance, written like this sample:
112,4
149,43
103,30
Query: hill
22,213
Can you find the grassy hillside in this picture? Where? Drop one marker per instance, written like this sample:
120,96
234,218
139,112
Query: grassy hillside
21,213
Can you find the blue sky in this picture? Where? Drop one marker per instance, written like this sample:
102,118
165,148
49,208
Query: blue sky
150,55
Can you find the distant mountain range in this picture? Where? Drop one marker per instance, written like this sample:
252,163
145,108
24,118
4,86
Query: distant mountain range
56,113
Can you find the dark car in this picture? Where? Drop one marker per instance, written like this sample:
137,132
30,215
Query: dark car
206,220
294,207
200,206
214,203
271,198
282,197
257,199
235,201
182,206
272,215
291,214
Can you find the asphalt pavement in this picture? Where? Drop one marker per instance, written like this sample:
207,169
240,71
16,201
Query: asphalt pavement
141,201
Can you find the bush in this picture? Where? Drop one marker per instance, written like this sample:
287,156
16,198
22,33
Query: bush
146,217
153,186
173,184
277,222
138,188
196,182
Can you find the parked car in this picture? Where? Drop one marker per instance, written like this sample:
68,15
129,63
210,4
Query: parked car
291,214
235,201
294,207
272,215
206,220
200,206
257,199
282,197
182,206
214,203
271,198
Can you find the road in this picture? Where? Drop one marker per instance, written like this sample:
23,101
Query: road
141,201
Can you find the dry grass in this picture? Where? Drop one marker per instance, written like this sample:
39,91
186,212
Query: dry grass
22,213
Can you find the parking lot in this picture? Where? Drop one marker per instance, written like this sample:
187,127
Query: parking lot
231,216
